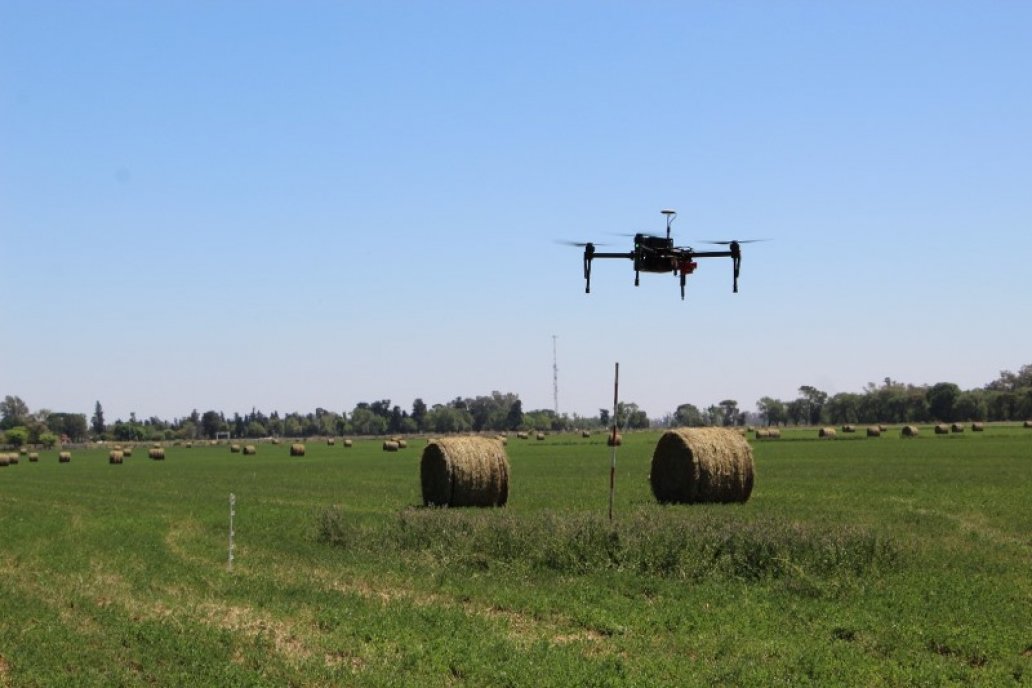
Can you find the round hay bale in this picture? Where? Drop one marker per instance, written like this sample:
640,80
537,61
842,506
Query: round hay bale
156,453
234,448
522,435
1028,424
4,461
848,428
774,433
155,446
64,457
12,459
115,456
23,451
348,444
827,432
956,427
402,444
275,440
33,457
942,429
614,442
541,435
127,452
762,433
390,446
883,428
250,450
297,449
464,471
585,433
695,465
909,431
978,427
331,441
873,431
188,445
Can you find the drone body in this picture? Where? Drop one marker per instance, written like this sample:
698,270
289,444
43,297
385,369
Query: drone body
658,254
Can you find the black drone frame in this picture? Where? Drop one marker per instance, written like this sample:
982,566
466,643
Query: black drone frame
658,254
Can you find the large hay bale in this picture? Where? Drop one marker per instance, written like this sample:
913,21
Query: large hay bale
827,432
942,429
909,431
127,452
693,465
348,444
156,453
464,471
33,457
297,449
115,456
234,448
330,441
873,431
64,457
612,441
250,450
956,427
390,446
978,427
848,428
541,435
402,444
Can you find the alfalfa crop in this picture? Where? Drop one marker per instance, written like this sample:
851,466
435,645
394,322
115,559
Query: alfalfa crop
464,471
297,449
693,465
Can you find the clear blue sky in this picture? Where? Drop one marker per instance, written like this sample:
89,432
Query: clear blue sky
286,205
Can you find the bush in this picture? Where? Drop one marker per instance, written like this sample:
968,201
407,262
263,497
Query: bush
17,436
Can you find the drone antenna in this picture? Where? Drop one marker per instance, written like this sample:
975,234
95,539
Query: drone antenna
670,215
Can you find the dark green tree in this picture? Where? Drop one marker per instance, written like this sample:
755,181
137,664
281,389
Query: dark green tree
97,422
941,398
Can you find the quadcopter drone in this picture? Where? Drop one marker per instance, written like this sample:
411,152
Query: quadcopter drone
658,254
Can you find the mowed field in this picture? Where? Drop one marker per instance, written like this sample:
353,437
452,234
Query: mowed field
857,561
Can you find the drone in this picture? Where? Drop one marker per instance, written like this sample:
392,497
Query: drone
658,254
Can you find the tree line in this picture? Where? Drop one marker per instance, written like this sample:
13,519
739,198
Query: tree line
1009,397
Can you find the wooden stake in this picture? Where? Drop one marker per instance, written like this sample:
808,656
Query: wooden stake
612,461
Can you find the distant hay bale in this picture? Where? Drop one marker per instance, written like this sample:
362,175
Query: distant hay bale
348,444
541,435
390,446
827,432
115,456
4,461
774,433
297,449
23,451
402,444
127,452
873,431
522,435
33,457
155,446
188,445
156,453
250,450
848,428
978,427
275,440
64,457
393,438
909,431
762,434
957,427
1028,424
330,441
585,433
464,471
942,429
612,441
12,459
883,428
234,448
696,465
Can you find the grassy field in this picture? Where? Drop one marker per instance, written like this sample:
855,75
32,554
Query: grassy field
857,561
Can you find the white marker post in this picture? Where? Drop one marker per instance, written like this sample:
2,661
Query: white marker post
612,440
232,513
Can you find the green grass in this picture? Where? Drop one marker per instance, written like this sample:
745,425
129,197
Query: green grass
857,561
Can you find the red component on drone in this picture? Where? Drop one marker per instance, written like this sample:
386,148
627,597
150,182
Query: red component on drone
687,267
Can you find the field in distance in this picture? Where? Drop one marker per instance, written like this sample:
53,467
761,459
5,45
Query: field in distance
857,561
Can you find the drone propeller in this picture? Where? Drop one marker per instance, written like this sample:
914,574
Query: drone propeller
581,244
738,241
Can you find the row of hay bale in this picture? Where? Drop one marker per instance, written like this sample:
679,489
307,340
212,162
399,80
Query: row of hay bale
689,465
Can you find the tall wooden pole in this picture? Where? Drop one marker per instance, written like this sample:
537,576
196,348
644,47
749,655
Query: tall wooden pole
612,439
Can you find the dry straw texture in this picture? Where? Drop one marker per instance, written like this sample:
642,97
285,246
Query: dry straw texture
942,429
127,452
978,427
390,446
348,443
522,435
826,432
64,457
874,431
956,427
694,465
33,457
614,442
402,444
297,449
762,434
115,456
234,448
331,441
541,435
250,450
909,431
774,433
464,471
848,428
156,453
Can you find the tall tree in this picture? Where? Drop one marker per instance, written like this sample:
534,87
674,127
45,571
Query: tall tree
815,400
97,422
13,411
730,409
941,398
